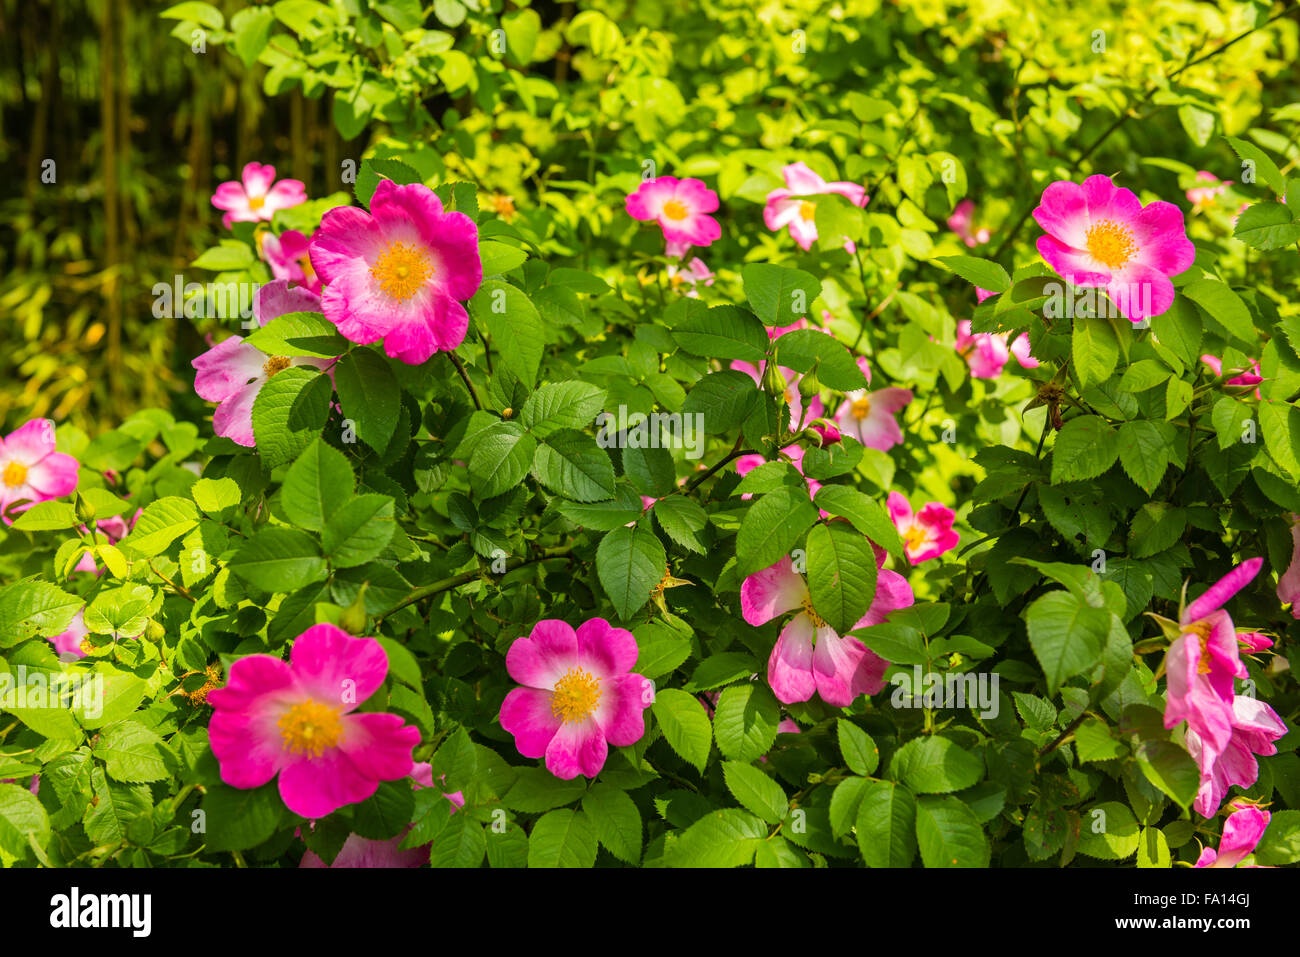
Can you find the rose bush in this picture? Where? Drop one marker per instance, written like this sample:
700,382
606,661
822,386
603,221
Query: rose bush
689,511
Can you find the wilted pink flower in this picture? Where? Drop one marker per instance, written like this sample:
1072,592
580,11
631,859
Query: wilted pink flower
961,221
792,206
256,198
869,416
1099,234
289,258
1241,833
399,272
680,207
296,719
1202,197
1288,584
928,533
1255,726
358,851
987,352
233,372
810,656
30,470
579,695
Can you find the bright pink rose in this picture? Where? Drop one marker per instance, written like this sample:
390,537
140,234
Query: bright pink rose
1252,641
579,695
810,656
680,207
961,221
1202,197
232,372
1255,726
791,206
1288,584
1099,234
827,433
987,352
358,851
869,416
296,719
928,533
289,258
256,199
30,470
400,272
1241,833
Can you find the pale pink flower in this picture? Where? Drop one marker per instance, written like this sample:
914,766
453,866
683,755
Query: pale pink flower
961,221
795,205
987,352
869,416
30,470
256,198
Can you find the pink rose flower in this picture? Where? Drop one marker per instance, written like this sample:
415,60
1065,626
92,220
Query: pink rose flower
296,719
1099,234
233,372
810,656
961,221
680,207
68,642
399,272
1288,583
358,851
987,352
1255,726
869,416
1244,378
30,470
1241,833
791,207
579,695
690,276
256,198
928,533
1202,197
289,258
793,398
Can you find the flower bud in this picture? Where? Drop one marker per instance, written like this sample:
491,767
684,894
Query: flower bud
85,511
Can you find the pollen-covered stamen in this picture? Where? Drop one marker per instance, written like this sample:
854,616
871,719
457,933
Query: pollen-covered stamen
1201,630
275,364
310,728
914,537
807,210
861,408
675,209
305,262
15,474
1111,243
817,620
576,695
256,202
402,270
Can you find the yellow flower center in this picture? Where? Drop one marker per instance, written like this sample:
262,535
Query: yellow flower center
256,202
15,474
861,408
1201,630
503,206
307,271
1111,243
675,209
807,210
576,695
275,364
310,728
402,270
915,537
817,620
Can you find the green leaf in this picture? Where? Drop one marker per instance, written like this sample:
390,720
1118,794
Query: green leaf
772,527
935,765
369,396
685,725
616,820
500,258
133,753
745,721
1067,635
841,574
290,410
660,648
279,560
726,838
982,273
561,405
1171,769
1223,305
359,531
629,563
1085,448
756,791
886,825
461,843
230,256
1267,226
237,819
501,459
1110,835
1144,452
570,463
214,496
456,761
949,834
299,334
723,398
252,29
203,14
682,519
1280,844
860,752
866,515
515,327
808,350
1095,350
316,486
34,608
777,294
562,839
48,516
1267,170
536,790
723,332
22,819
159,525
